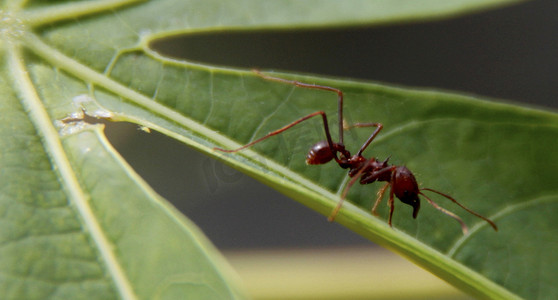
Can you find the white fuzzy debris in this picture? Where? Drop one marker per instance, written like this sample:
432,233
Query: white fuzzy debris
85,106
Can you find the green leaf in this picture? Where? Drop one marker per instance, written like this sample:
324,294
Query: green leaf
78,222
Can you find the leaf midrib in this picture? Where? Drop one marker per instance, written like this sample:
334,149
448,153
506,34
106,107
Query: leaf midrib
61,165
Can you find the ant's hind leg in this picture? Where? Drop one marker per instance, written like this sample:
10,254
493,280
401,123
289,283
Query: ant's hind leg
312,86
280,130
301,84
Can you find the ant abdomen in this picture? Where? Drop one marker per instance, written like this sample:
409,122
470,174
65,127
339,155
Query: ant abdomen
320,153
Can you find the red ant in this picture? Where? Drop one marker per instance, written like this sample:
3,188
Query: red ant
402,181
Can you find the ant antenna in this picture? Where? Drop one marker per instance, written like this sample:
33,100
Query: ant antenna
463,226
447,212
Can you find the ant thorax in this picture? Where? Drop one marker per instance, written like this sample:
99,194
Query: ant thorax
368,169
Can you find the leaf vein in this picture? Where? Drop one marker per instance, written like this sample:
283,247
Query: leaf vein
53,146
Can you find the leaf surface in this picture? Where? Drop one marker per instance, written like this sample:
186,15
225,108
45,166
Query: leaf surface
78,221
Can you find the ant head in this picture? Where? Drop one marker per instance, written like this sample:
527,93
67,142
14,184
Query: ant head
321,153
406,188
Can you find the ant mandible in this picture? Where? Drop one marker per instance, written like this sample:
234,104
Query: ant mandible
402,181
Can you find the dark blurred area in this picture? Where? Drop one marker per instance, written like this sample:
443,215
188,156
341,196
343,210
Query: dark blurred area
509,53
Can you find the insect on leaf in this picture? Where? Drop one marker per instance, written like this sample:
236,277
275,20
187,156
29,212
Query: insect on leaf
77,221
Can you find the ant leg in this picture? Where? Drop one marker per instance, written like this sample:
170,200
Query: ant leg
278,131
378,126
346,190
380,194
313,86
377,174
335,211
390,201
460,205
371,178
